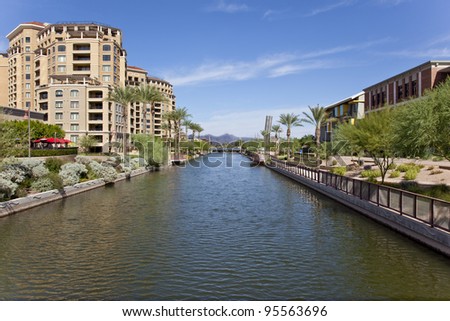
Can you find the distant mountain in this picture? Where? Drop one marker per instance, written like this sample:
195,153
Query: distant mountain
223,139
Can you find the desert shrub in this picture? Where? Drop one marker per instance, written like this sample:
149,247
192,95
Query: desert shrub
372,173
135,163
39,171
31,163
339,170
15,173
7,188
104,171
394,174
47,183
72,172
54,164
82,160
436,172
392,166
410,174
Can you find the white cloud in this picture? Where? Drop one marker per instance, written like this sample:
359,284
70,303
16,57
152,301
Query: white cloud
223,6
272,66
333,6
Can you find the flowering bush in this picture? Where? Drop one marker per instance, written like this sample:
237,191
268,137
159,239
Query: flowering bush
72,172
7,188
104,171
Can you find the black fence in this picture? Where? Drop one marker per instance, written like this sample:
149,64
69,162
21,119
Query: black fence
432,211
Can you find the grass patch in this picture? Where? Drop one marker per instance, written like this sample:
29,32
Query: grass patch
394,174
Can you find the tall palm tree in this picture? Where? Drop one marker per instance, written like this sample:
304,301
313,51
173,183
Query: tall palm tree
124,96
196,128
149,95
277,130
317,117
178,116
289,120
187,125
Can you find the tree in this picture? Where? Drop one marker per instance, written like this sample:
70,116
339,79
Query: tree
289,120
277,130
373,134
86,142
196,128
187,125
422,125
177,117
124,96
317,117
149,95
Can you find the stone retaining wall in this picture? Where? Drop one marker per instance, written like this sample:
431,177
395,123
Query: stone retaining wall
435,238
24,203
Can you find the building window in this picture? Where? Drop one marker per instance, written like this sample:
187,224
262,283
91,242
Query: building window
414,88
106,78
106,68
106,57
406,90
62,58
58,104
61,48
27,67
28,104
74,93
74,116
59,93
27,49
74,104
399,92
74,138
27,76
27,95
27,85
27,39
58,116
106,48
27,58
61,68
74,127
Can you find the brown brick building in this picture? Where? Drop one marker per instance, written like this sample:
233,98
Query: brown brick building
407,85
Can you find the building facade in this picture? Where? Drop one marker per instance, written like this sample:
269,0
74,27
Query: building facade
346,110
407,85
66,71
4,79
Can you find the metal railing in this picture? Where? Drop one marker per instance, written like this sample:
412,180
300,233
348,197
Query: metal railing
431,211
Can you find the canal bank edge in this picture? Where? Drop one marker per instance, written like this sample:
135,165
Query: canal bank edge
24,203
431,237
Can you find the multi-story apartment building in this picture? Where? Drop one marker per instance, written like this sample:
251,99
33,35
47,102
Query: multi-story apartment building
143,119
407,85
66,70
3,79
346,110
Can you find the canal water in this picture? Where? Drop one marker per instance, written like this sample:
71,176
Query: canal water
217,229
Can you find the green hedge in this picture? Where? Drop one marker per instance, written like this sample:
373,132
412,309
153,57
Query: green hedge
53,152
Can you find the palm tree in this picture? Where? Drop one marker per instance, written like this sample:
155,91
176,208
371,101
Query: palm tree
277,130
149,95
124,96
317,117
289,120
196,128
177,117
187,125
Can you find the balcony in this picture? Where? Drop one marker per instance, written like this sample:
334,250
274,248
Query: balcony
96,117
96,95
96,105
81,47
95,128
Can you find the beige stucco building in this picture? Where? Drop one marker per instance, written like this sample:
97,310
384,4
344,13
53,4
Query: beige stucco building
4,79
67,70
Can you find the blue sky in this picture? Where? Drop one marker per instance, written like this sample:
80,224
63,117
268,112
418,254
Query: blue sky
232,62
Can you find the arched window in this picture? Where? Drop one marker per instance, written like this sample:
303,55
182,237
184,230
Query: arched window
59,93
